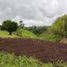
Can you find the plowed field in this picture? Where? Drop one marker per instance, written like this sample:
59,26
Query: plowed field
43,50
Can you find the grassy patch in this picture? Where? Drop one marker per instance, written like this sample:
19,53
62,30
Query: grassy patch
10,60
50,37
22,33
25,33
5,34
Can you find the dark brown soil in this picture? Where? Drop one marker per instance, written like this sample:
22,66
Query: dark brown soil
43,50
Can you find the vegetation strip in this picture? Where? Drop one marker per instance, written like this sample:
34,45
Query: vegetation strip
10,60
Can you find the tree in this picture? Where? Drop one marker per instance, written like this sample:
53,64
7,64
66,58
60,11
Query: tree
65,26
59,27
9,26
21,24
37,29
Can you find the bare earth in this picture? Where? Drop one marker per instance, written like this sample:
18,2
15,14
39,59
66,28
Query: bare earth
43,50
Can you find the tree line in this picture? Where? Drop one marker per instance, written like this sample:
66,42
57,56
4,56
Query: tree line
59,27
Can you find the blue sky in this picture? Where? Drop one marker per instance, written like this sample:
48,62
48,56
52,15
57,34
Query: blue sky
33,12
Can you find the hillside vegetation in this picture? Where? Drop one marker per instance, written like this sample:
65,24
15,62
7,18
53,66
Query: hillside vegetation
56,32
22,33
25,33
50,37
5,34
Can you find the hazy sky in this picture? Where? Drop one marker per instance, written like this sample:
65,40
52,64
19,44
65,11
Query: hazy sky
32,12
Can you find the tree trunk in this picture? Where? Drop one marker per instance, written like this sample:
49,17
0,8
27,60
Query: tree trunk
10,33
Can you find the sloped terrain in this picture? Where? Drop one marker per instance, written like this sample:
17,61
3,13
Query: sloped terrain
43,50
5,34
64,40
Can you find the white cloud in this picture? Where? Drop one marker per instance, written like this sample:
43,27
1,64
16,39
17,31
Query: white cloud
29,22
7,10
43,11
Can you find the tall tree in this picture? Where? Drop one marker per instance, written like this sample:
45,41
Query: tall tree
21,24
59,27
9,26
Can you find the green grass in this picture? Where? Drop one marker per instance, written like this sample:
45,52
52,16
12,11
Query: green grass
25,33
22,33
5,34
10,60
50,37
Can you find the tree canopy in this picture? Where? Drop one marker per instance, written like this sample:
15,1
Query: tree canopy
59,27
9,26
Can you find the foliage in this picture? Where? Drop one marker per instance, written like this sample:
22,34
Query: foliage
53,33
21,24
9,26
50,37
24,33
65,26
60,26
37,30
10,60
